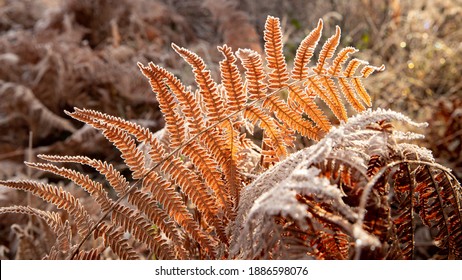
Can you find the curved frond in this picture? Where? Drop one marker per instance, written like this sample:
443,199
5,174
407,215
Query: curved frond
60,198
305,52
214,103
279,77
231,80
327,51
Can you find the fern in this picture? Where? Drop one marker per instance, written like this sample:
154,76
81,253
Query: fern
194,195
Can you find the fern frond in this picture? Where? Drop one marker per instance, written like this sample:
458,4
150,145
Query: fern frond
369,69
440,206
349,94
306,101
174,124
189,106
327,51
165,193
60,198
305,52
209,171
254,73
143,231
92,254
95,189
213,101
113,237
279,76
53,220
258,117
333,95
405,221
361,90
143,202
293,120
132,155
342,57
196,190
232,81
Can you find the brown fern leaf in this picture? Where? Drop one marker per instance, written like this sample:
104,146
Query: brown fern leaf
143,202
95,189
189,106
314,85
92,254
327,51
198,193
214,103
293,120
333,95
103,121
258,117
209,171
349,93
53,220
440,208
222,151
342,57
369,69
279,77
174,124
306,101
131,221
305,52
193,187
331,246
165,193
406,212
254,73
113,237
60,198
352,66
132,155
232,81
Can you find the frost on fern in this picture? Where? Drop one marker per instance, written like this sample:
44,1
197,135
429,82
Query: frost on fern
360,192
189,193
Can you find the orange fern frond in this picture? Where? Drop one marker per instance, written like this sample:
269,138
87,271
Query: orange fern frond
231,80
349,94
293,120
353,66
113,237
327,51
258,117
361,90
369,69
255,75
279,77
306,101
95,189
342,57
189,106
131,221
57,196
214,103
209,171
196,190
165,193
305,52
174,124
333,95
53,220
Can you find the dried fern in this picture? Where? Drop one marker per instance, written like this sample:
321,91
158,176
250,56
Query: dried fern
190,196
